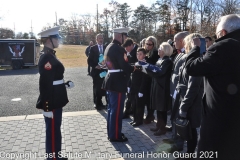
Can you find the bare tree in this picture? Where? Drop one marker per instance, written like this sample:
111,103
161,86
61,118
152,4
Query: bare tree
229,6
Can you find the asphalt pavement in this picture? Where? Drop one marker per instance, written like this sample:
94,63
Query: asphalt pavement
19,91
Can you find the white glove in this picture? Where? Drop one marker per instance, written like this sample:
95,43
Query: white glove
128,89
140,95
175,94
144,70
48,114
69,84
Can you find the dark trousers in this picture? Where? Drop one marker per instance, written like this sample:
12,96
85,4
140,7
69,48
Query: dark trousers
161,120
53,134
97,91
115,113
128,105
138,108
89,69
150,112
192,143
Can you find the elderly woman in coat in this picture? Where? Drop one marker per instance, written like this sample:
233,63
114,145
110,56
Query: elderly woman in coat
189,96
160,87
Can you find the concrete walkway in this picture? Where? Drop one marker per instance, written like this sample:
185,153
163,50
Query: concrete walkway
84,136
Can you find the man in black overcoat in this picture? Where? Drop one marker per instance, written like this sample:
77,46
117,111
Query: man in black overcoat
220,131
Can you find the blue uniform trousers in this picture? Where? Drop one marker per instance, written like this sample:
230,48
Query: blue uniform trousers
115,114
53,135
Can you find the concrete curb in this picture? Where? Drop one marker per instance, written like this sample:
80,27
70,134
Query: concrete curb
40,116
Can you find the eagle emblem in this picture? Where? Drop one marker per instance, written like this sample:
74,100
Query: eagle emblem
16,50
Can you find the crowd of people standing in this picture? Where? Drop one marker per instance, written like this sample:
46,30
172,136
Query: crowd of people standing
175,77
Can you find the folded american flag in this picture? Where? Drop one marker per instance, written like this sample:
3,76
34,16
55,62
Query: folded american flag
149,67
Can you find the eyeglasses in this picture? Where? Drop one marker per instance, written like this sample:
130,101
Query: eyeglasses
149,44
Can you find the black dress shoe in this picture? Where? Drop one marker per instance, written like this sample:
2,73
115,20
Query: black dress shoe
64,158
154,129
159,133
122,139
137,124
168,129
168,141
173,149
131,122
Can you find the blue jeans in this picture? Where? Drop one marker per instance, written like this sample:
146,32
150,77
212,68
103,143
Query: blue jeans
115,114
53,135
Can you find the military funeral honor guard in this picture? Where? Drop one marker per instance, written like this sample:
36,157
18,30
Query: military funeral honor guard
182,85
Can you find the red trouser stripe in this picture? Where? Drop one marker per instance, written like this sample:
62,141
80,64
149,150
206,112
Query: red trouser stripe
117,115
53,137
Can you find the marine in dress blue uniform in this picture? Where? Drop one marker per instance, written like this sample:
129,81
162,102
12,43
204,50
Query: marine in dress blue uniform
53,94
115,83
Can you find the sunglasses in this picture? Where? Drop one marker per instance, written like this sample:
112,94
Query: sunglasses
149,44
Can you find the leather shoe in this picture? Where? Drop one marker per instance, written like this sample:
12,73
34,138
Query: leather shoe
154,129
131,122
136,124
168,129
168,141
173,149
122,139
159,133
64,158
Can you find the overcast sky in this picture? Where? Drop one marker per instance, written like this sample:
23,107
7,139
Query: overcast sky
22,12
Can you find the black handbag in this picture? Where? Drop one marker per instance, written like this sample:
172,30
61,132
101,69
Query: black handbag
183,128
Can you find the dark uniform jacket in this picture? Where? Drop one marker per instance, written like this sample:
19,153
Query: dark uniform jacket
221,119
141,82
51,69
93,60
132,56
160,88
189,100
116,58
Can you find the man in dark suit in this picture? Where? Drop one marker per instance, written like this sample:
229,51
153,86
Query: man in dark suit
94,60
87,54
219,132
177,63
131,49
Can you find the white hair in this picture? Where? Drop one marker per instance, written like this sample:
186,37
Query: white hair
229,23
166,48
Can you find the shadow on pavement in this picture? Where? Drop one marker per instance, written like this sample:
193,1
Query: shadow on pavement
31,70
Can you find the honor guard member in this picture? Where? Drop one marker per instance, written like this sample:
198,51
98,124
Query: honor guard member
53,94
115,83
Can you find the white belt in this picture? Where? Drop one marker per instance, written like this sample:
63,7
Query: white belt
58,82
114,70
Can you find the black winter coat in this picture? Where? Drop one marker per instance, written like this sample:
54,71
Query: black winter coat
190,90
160,88
221,119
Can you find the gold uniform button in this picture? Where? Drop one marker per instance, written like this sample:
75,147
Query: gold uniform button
47,110
47,106
46,102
